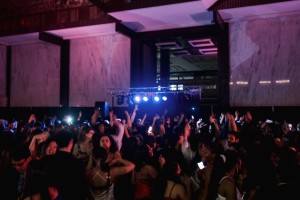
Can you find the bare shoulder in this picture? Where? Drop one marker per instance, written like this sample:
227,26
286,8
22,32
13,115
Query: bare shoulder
146,172
179,188
227,187
149,169
180,192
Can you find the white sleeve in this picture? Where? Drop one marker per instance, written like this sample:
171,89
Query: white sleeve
187,151
118,138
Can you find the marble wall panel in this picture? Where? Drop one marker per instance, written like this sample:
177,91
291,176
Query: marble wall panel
97,65
265,62
3,97
35,75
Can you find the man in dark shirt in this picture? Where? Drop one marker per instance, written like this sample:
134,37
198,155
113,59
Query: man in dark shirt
66,173
13,174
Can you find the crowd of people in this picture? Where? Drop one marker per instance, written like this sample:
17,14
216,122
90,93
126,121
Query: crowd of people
224,156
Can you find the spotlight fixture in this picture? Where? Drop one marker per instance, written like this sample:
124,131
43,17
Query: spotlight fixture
120,99
129,100
156,98
145,98
164,98
137,99
69,119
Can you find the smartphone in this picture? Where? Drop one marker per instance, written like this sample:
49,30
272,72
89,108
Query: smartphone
150,129
269,121
201,165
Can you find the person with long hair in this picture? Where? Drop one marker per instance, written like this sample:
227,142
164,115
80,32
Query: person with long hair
224,177
83,148
49,148
144,174
208,151
107,142
101,178
168,185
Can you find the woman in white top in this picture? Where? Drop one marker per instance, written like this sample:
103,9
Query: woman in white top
227,189
102,176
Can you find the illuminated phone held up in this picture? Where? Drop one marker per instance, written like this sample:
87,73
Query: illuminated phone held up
150,130
201,165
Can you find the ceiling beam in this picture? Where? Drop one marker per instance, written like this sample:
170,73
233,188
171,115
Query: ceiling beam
226,4
121,5
51,38
123,29
197,31
218,20
37,21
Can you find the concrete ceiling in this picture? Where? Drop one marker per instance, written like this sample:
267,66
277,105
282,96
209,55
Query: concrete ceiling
174,16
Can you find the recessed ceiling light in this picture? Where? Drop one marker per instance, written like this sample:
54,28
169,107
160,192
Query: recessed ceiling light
209,51
168,45
181,53
201,43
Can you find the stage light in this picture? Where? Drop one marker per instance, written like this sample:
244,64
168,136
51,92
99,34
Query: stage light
159,88
120,99
69,120
164,98
129,100
137,99
156,98
145,98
